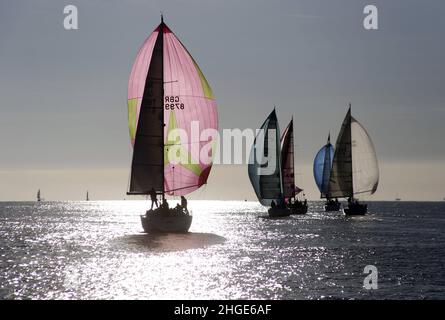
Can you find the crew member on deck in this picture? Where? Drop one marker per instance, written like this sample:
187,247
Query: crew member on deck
293,194
165,204
154,199
184,202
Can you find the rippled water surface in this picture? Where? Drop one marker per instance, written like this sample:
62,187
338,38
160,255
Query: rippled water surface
95,250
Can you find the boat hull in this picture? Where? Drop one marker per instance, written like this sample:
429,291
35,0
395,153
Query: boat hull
356,209
332,206
164,220
301,209
279,212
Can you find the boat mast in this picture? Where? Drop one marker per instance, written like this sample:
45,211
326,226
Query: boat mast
327,159
278,154
350,142
293,153
292,150
161,34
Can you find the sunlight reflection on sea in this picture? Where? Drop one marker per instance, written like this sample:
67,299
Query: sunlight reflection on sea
96,250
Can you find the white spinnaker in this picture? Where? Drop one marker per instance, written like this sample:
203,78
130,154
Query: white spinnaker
365,167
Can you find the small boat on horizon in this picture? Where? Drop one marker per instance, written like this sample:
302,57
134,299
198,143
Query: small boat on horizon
87,197
167,91
268,182
355,171
39,196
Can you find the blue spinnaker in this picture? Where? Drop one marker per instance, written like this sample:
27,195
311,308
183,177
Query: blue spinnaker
322,168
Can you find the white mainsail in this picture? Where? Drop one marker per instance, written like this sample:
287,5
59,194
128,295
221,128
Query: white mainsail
365,169
355,171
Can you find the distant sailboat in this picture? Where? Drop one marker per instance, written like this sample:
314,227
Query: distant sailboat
322,172
87,197
355,171
168,91
268,185
288,172
39,198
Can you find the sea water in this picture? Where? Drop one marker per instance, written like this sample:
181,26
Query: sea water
96,250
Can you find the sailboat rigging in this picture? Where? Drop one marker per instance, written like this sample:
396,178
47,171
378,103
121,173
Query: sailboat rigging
355,172
290,190
322,172
167,91
265,172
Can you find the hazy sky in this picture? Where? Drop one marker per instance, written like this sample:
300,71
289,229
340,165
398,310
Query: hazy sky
63,115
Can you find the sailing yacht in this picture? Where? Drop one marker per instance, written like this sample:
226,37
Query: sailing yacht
39,198
87,197
355,171
322,172
168,91
264,168
290,190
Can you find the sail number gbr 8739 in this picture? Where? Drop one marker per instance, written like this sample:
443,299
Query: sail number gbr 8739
173,103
